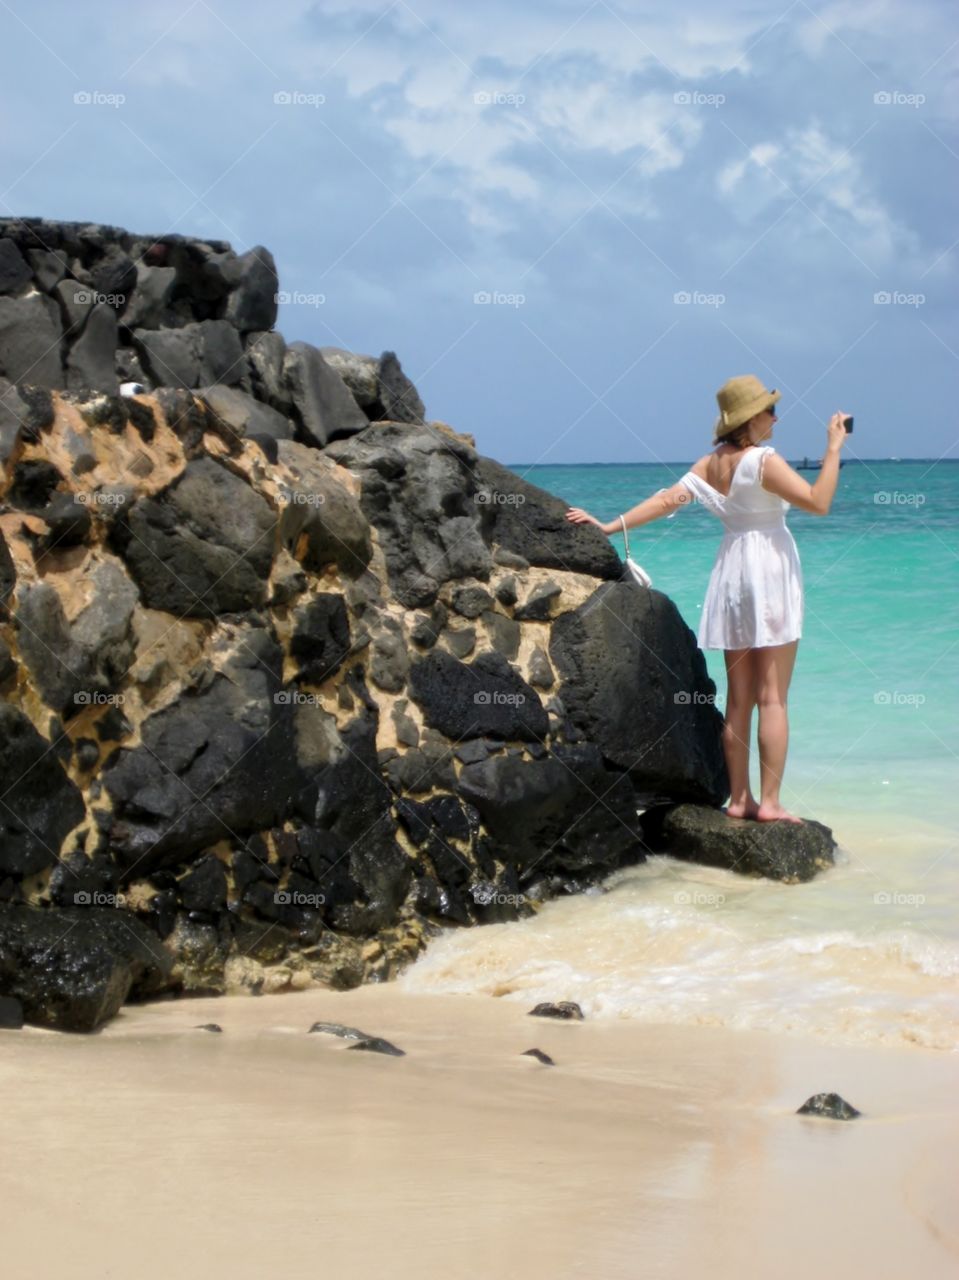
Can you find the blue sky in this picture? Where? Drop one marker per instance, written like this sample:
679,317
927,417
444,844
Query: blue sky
650,199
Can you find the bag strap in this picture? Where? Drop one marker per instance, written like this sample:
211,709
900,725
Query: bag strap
622,521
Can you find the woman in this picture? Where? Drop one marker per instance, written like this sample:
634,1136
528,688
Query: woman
754,603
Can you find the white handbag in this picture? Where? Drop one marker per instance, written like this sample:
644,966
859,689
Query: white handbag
638,573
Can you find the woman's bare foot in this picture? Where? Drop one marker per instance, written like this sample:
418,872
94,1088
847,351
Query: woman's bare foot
775,813
748,810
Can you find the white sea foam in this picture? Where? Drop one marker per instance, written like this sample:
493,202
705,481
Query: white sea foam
677,943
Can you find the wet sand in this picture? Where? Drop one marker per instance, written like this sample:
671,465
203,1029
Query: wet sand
156,1149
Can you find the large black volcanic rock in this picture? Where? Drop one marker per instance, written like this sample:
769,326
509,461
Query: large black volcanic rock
532,523
84,305
566,813
248,606
440,510
319,510
40,803
635,683
30,332
418,492
483,698
72,969
73,661
8,577
253,282
380,387
219,763
320,638
203,547
777,850
353,809
194,356
321,399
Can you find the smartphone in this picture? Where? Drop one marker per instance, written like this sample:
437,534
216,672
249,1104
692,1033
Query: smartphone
847,423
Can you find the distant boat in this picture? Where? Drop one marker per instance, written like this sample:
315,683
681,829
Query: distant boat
806,465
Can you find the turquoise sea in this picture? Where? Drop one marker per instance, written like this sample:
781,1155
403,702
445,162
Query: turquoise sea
868,951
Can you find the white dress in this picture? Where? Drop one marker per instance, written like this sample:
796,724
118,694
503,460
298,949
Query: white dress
755,592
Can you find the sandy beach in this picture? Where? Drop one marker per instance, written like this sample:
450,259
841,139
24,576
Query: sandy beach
164,1149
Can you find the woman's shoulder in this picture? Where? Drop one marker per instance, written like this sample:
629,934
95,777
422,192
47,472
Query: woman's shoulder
701,466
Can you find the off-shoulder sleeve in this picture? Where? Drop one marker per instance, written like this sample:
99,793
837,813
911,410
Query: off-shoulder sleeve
703,492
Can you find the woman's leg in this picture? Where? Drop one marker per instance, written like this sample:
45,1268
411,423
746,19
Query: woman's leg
737,730
774,668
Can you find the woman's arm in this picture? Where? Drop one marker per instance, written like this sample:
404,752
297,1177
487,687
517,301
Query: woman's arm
778,477
665,503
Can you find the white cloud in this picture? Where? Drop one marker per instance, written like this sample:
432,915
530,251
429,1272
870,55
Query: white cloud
587,76
761,157
598,116
833,182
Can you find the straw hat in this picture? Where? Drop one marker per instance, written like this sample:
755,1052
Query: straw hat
740,399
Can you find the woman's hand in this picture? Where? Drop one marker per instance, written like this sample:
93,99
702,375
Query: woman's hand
836,433
576,515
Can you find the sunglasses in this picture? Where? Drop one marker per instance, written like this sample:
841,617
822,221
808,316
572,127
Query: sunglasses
772,409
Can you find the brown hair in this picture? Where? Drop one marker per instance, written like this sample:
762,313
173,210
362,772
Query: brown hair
739,436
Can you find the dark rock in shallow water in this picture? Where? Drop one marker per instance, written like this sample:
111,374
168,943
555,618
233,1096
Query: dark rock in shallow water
635,682
209,1026
778,850
73,969
338,1029
540,1056
565,1009
374,1044
829,1105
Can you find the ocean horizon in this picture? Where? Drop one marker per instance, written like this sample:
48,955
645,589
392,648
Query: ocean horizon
847,462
